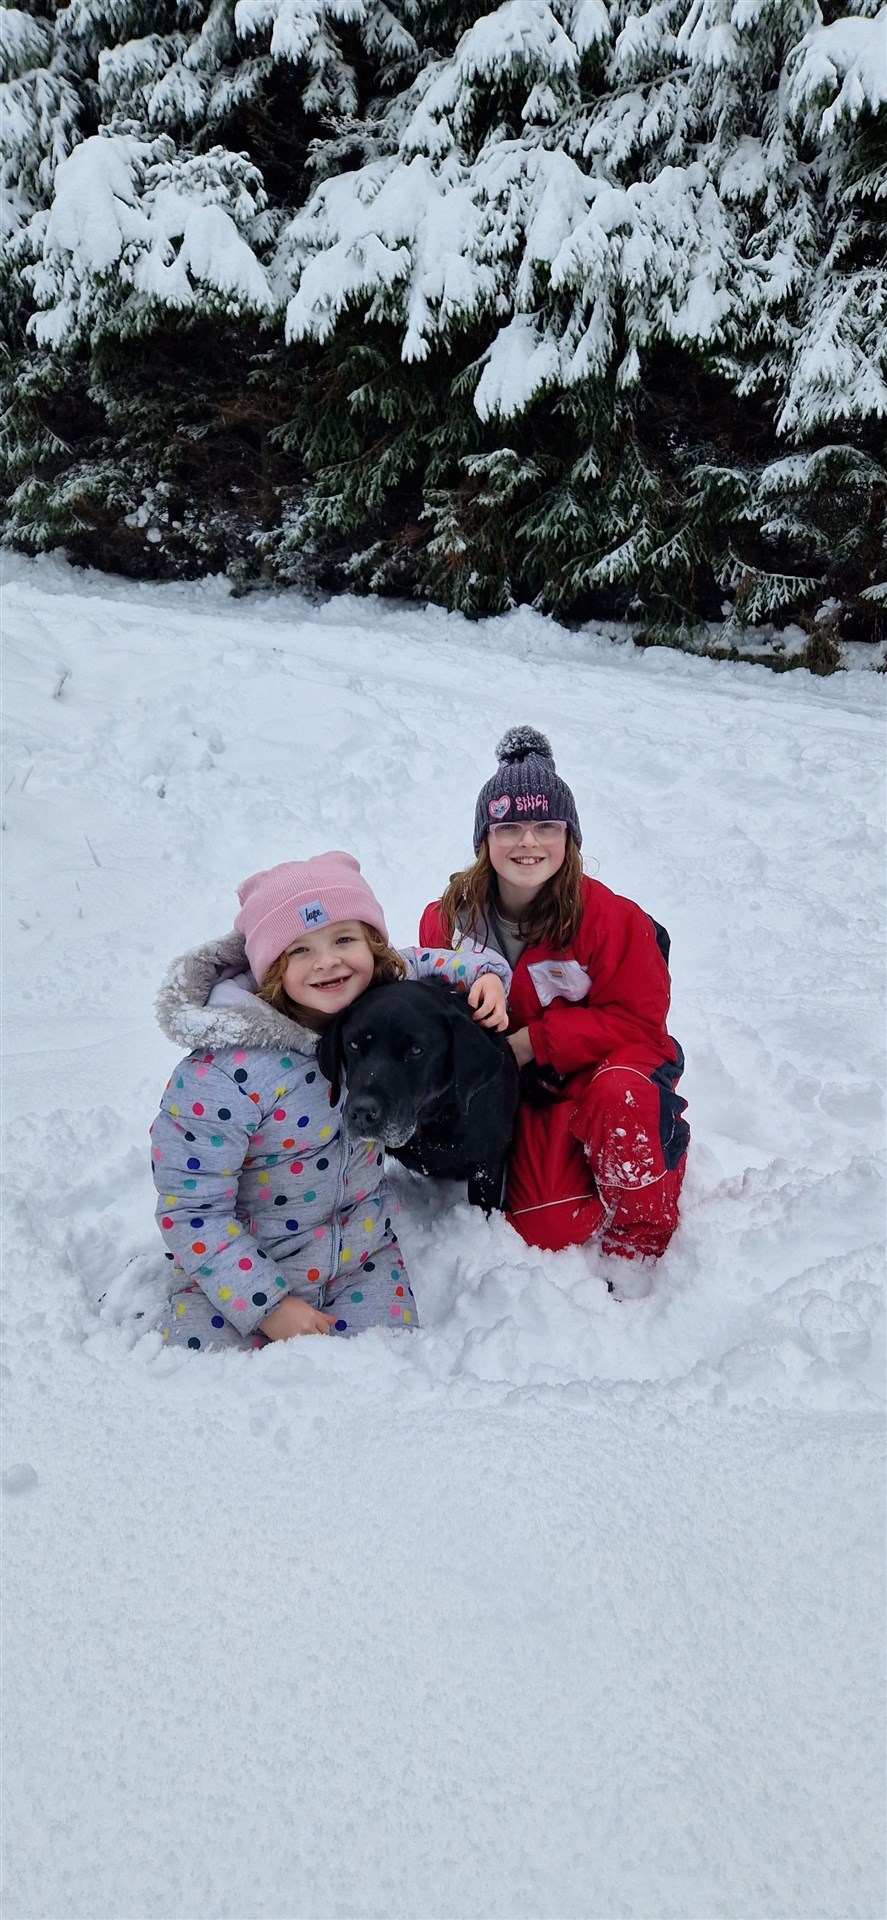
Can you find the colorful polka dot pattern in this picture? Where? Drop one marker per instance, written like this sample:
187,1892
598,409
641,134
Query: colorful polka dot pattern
383,1301
251,1166
262,1173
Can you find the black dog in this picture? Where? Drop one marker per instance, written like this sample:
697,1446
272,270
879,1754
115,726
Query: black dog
427,1082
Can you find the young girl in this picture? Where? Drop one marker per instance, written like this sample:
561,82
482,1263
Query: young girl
275,1223
600,1144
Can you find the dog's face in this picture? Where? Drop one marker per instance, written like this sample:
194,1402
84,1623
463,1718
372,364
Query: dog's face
405,1054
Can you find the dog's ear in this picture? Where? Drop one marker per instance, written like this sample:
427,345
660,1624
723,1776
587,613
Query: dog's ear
476,1060
331,1056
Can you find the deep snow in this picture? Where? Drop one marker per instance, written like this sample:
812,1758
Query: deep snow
560,1607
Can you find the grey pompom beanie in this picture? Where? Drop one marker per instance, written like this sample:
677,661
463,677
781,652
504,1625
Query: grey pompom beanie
524,787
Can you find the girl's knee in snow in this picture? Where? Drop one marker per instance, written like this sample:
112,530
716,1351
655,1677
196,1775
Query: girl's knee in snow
377,1294
191,1320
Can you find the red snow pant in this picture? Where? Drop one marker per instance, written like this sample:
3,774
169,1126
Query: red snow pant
598,1163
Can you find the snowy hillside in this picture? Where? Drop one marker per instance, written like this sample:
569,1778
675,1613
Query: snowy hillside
559,1607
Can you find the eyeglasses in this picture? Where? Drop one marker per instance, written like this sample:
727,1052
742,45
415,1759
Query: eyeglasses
509,832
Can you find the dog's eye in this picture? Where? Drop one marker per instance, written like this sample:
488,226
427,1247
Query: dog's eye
413,1053
354,1046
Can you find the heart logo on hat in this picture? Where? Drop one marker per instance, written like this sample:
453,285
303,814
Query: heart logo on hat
499,808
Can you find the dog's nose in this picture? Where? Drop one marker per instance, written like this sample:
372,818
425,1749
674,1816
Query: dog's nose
364,1117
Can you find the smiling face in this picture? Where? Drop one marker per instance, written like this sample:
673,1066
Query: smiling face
329,968
523,856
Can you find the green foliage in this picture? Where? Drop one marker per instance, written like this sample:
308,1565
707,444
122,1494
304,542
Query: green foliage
123,458
581,305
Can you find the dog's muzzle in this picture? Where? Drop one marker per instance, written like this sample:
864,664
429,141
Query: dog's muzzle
366,1122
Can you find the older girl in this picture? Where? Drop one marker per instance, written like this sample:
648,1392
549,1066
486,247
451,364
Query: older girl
601,1143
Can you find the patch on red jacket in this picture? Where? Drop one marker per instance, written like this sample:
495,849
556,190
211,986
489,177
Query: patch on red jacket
559,980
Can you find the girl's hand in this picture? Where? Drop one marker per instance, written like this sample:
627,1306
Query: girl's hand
487,1001
292,1317
522,1046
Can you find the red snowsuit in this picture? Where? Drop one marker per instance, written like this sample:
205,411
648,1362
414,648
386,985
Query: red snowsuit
607,1153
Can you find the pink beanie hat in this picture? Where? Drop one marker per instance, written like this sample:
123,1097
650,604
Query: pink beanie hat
286,901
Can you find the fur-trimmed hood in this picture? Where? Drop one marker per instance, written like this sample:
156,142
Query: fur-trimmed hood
191,1020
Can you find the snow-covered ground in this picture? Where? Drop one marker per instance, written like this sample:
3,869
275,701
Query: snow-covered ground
560,1607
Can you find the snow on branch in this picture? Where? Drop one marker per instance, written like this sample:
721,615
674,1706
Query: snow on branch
294,24
165,229
407,224
521,32
848,59
24,43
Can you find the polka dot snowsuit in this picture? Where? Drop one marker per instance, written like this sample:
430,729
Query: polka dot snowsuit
260,1192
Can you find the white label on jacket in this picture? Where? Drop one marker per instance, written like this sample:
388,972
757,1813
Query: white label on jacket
559,980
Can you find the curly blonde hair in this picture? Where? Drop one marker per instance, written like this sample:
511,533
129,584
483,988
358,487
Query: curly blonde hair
387,966
552,918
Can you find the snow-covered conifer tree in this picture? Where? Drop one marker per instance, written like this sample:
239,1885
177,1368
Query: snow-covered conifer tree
576,301
633,218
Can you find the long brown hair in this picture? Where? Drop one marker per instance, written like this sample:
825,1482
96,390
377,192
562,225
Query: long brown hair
552,919
387,966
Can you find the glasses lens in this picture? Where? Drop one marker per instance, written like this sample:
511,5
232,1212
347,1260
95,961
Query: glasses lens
510,832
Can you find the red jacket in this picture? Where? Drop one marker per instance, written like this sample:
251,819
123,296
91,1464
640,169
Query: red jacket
620,1013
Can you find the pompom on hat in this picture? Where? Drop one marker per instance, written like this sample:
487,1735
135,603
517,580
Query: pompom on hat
283,902
524,787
